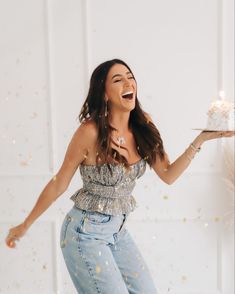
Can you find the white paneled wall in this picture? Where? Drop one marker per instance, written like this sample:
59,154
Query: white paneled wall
182,54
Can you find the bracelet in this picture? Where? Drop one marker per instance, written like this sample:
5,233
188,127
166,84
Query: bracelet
194,148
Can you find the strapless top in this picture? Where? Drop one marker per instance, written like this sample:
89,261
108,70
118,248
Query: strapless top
108,190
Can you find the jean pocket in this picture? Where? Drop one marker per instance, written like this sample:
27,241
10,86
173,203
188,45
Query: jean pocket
97,217
64,229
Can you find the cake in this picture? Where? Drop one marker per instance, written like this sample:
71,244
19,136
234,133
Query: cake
220,116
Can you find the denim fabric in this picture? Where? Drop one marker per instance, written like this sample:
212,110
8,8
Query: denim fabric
101,256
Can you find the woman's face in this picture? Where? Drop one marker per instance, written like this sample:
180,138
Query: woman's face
120,88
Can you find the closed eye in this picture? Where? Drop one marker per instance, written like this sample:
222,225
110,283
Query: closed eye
120,79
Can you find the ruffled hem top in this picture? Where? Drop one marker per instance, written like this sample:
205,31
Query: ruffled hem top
107,188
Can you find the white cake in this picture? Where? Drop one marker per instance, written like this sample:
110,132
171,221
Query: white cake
220,116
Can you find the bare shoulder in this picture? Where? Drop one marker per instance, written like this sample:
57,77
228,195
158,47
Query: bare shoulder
87,131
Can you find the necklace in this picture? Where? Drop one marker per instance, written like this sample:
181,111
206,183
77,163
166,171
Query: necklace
121,140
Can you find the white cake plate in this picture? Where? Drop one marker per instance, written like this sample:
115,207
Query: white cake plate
207,130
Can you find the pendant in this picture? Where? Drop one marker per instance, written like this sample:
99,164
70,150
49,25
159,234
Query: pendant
121,140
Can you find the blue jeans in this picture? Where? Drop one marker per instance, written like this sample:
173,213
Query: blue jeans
101,256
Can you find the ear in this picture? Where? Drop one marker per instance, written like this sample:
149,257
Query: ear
106,98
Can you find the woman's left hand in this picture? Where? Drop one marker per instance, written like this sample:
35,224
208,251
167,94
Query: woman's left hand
209,135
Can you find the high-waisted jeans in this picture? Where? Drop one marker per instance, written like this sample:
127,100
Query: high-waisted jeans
101,256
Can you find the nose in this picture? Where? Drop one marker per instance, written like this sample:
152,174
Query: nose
127,82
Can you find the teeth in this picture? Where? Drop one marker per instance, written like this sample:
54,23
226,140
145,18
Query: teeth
129,92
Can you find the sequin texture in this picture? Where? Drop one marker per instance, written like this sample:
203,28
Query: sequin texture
108,191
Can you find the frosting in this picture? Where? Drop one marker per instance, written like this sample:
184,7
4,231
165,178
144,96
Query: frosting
220,116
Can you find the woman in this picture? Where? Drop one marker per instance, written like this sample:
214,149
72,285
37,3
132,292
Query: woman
112,145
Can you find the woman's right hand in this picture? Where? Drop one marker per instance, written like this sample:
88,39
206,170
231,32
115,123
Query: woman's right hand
15,234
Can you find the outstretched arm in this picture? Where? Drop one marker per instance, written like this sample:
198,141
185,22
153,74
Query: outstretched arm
169,172
84,137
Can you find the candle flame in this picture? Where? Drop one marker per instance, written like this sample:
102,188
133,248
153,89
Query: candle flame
222,95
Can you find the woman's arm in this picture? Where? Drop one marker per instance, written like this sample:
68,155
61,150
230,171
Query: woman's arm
169,172
84,137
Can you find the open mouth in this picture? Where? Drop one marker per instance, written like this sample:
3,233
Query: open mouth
128,95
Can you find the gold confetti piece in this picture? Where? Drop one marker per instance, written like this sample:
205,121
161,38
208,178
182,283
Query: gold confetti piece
184,219
33,115
24,163
184,278
98,269
216,219
44,267
63,243
165,197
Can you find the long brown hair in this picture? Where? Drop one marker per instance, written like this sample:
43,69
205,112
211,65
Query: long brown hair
147,137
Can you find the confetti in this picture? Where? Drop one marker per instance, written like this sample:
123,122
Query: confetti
98,269
44,267
33,115
24,163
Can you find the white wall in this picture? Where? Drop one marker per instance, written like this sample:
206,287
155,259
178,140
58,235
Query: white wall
182,54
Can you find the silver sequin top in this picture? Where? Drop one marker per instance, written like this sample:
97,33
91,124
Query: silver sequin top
106,191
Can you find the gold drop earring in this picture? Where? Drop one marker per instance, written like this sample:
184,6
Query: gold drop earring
106,109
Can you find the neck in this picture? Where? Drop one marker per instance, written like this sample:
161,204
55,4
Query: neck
120,121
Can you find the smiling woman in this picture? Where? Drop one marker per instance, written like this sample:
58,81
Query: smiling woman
113,144
125,132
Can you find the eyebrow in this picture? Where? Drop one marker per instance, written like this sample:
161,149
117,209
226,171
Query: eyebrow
119,75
